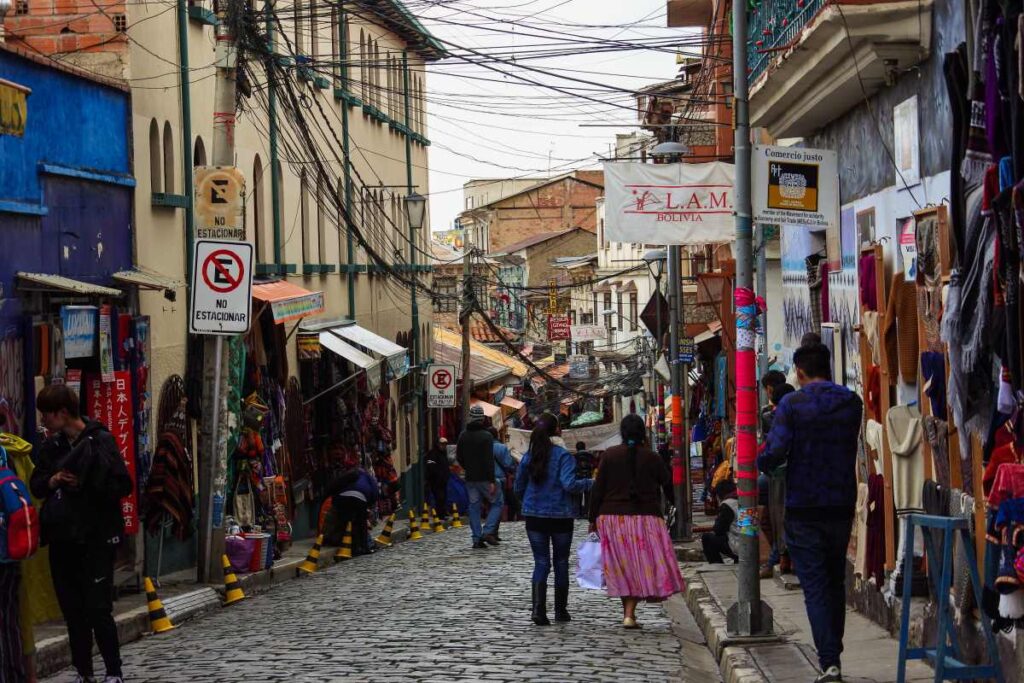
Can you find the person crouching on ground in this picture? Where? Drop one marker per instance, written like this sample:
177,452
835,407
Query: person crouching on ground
352,493
82,479
625,509
545,482
718,543
814,433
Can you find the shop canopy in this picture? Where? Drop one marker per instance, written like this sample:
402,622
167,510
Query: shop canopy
147,279
397,357
490,410
58,283
336,345
512,404
287,301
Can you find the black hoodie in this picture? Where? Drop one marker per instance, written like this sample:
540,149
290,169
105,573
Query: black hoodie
91,512
475,452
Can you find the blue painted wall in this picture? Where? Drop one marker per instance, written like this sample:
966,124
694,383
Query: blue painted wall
85,228
71,121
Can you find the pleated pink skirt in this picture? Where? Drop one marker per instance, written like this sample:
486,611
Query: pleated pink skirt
638,557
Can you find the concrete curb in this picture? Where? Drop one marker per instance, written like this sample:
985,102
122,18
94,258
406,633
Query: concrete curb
53,654
735,662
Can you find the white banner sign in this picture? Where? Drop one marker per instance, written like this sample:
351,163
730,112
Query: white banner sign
582,333
795,185
669,203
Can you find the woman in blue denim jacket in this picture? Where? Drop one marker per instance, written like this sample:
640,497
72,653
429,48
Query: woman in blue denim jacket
545,482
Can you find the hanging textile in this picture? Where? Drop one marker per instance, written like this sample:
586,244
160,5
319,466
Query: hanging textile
903,427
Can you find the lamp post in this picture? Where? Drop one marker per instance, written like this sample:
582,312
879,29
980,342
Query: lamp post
415,212
672,151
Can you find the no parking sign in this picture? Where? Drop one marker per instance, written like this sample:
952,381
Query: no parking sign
440,386
221,288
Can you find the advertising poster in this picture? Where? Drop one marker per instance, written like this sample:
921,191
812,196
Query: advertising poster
111,404
795,185
78,325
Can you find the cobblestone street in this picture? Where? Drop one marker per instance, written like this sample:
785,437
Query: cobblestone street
430,610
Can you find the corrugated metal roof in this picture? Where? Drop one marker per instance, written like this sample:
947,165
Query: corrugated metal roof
479,351
481,370
147,279
46,281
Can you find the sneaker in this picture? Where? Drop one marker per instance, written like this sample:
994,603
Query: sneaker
84,679
113,679
491,539
479,545
830,675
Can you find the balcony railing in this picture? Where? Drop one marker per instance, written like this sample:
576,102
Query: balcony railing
774,25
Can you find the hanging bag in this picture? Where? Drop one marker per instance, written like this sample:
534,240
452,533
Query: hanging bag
245,502
590,567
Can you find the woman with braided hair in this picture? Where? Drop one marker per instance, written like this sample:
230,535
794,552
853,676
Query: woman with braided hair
626,511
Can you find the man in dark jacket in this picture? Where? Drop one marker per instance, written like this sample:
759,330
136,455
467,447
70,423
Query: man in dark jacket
475,453
438,473
814,433
82,478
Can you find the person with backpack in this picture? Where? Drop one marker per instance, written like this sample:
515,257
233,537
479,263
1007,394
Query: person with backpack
82,478
19,539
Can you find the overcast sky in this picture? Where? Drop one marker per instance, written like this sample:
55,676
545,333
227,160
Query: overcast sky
484,123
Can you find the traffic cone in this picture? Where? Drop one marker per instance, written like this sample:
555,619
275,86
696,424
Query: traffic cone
414,528
312,561
158,620
425,519
232,591
345,551
438,525
385,536
456,522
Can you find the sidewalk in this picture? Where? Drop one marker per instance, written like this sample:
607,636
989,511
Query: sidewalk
183,599
870,653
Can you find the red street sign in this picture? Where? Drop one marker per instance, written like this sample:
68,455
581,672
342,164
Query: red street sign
442,379
223,271
558,328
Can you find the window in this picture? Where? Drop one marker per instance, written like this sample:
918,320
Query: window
304,216
469,202
632,311
335,48
346,51
572,317
21,7
619,320
391,86
120,23
299,36
279,176
156,170
258,212
376,76
587,319
342,223
597,308
168,159
364,87
600,234
608,311
199,153
321,219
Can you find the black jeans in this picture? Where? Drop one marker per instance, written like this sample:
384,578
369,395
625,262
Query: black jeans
818,549
715,547
83,579
12,660
440,493
353,510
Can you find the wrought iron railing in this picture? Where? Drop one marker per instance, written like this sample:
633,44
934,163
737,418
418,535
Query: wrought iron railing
774,25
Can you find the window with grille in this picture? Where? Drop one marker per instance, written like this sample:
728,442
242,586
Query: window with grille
21,7
120,23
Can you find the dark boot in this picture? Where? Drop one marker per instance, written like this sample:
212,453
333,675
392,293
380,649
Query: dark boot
562,603
540,606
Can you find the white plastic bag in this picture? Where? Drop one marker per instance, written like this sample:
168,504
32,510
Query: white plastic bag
590,570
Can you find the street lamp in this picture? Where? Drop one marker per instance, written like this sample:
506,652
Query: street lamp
415,208
669,149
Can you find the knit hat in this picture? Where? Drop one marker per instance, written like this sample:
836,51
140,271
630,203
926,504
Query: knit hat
476,412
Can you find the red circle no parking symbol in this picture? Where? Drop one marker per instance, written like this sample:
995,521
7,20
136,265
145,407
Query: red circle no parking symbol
223,271
441,379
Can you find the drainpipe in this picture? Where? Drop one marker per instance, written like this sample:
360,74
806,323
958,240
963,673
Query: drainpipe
421,433
186,138
346,148
275,182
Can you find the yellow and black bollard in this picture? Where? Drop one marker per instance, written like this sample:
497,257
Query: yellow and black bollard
456,522
232,590
414,527
312,561
425,519
345,551
385,536
158,620
438,524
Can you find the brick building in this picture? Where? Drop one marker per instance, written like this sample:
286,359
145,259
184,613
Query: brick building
553,205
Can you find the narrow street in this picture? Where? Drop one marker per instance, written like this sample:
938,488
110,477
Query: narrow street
430,610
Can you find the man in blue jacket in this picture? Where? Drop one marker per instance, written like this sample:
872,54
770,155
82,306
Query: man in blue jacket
815,434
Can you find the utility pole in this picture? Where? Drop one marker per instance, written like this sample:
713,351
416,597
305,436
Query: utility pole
679,468
465,318
762,291
213,428
749,616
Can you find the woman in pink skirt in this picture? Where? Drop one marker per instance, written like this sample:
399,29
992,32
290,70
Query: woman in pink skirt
639,560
